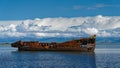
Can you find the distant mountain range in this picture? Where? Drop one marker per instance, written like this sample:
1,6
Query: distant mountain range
60,39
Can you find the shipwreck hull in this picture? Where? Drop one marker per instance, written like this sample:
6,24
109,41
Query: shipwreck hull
58,49
83,45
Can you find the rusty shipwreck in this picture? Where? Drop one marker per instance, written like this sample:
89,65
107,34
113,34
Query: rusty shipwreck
82,44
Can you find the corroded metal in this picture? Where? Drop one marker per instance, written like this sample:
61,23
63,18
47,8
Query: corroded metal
82,44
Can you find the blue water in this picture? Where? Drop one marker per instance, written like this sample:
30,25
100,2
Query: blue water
104,57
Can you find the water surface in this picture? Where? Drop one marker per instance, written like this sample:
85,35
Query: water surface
101,58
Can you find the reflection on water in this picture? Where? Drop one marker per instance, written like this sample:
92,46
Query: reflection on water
11,58
49,59
29,59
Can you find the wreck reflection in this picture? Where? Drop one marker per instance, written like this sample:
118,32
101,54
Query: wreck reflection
55,59
81,59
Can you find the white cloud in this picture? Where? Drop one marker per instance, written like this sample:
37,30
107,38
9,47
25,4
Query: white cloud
62,27
100,5
8,28
12,34
91,31
104,34
96,6
76,7
8,22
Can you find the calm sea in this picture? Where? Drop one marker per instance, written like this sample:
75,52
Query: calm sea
105,56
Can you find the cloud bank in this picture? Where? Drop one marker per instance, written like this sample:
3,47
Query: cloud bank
96,6
102,26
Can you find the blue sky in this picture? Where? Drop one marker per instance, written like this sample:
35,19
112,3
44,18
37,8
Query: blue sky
30,9
59,18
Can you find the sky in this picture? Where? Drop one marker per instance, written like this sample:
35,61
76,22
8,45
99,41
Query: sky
30,9
59,18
